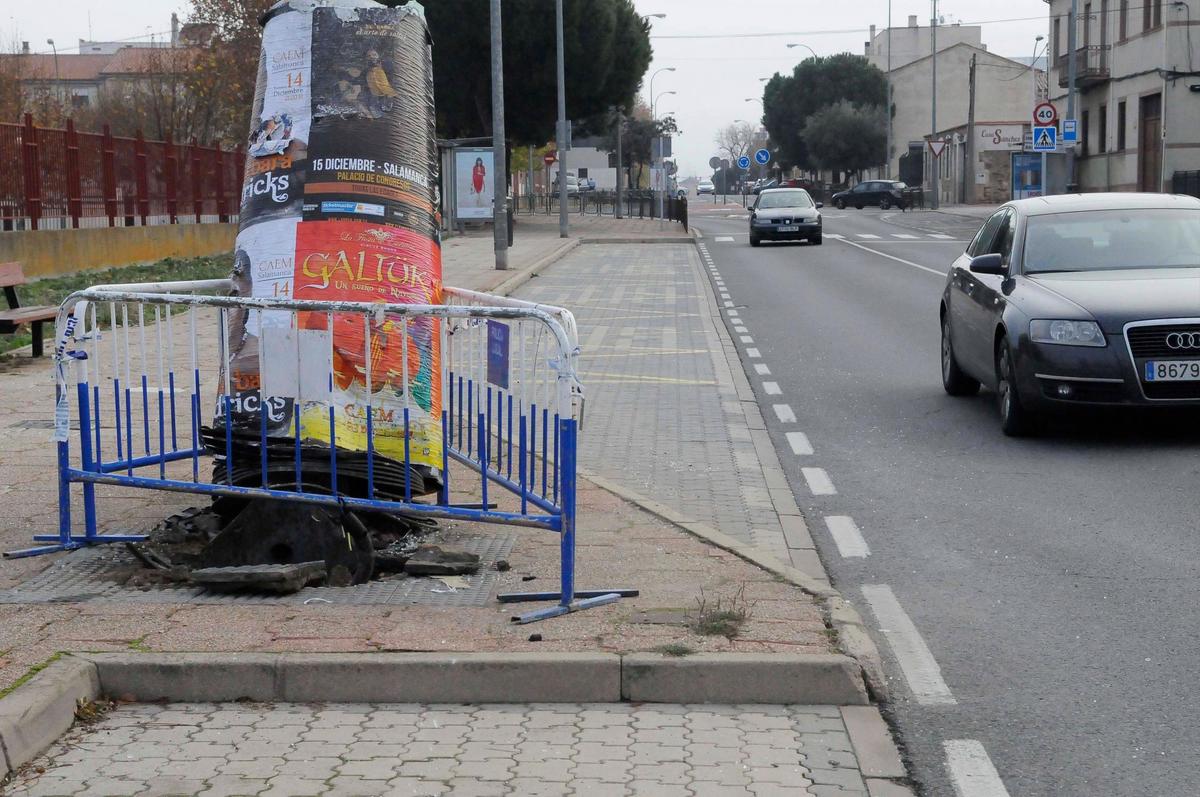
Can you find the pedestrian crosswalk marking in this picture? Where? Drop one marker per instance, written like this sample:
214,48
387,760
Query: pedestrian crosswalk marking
722,239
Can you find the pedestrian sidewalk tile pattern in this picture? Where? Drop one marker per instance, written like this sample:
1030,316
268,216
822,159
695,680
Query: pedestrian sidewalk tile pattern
659,419
295,750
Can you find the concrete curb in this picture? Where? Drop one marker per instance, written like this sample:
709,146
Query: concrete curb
650,239
43,709
529,272
737,678
716,538
734,678
856,641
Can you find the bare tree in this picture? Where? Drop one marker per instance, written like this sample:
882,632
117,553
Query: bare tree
738,139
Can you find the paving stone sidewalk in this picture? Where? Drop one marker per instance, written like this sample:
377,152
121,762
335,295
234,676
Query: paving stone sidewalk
469,751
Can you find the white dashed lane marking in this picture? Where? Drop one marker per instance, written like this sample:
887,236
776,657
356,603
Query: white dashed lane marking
747,339
798,441
762,369
939,235
784,413
846,536
753,353
835,236
920,669
867,236
723,239
772,388
819,482
972,770
905,236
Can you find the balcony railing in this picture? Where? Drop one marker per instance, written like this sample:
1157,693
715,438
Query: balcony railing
1091,65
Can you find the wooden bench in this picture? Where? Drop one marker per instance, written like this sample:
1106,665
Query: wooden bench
11,275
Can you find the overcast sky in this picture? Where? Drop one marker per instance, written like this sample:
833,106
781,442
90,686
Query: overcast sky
713,76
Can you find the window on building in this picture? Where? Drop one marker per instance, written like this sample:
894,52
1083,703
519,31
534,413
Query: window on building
1151,14
1121,126
1087,24
1083,133
1123,21
1102,139
1055,47
583,173
80,101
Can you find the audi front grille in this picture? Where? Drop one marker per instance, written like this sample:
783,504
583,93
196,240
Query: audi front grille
1163,342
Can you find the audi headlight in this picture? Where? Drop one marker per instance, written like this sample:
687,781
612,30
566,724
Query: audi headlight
1067,333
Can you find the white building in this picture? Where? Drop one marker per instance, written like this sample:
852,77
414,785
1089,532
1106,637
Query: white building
1137,77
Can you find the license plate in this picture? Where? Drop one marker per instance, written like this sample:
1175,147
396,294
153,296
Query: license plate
790,228
1173,371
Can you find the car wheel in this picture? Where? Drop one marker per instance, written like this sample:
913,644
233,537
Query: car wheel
755,240
1015,420
885,203
954,380
840,204
858,207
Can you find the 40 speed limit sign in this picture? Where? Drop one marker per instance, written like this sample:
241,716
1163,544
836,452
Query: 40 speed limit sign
1045,114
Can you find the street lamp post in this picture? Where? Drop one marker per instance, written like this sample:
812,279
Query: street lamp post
806,47
935,177
563,230
499,148
887,152
57,78
654,117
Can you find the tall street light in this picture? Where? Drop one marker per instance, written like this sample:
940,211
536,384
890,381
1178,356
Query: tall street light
654,105
662,157
935,176
654,118
563,230
806,47
57,79
499,147
655,16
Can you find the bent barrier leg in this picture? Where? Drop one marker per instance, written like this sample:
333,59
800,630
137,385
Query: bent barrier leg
347,409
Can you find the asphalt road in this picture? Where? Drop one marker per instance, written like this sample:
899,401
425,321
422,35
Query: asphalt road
1051,583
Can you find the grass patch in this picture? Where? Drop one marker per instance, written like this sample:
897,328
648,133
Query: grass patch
52,290
677,649
722,616
139,645
24,679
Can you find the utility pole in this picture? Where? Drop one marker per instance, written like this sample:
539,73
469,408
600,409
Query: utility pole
968,178
887,155
563,230
1072,75
529,181
499,146
934,171
620,163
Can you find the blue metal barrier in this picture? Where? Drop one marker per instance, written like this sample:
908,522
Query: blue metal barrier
155,437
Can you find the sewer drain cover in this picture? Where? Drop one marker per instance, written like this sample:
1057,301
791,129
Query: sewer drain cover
90,576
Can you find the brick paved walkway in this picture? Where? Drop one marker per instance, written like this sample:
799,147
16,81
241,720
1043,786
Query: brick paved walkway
663,415
468,751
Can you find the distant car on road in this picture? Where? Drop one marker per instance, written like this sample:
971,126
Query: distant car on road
785,214
884,194
1066,301
765,185
706,187
572,185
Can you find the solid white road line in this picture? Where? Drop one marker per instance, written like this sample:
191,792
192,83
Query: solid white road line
772,389
867,236
747,339
721,239
784,413
916,662
847,537
799,444
753,353
971,769
893,257
762,369
818,481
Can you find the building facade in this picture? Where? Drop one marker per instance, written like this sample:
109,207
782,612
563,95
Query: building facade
1137,84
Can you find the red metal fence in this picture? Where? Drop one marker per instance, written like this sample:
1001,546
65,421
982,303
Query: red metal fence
60,179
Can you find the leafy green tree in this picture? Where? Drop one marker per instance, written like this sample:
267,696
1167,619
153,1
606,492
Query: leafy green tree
846,137
606,47
816,83
637,138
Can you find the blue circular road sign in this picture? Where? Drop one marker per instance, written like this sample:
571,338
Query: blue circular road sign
763,157
743,162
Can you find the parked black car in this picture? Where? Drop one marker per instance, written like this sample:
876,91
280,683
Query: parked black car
1065,301
884,194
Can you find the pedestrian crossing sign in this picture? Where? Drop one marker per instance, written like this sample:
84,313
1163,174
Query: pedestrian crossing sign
1045,139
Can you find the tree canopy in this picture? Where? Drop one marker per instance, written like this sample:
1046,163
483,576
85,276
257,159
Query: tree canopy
816,83
846,137
606,49
637,137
